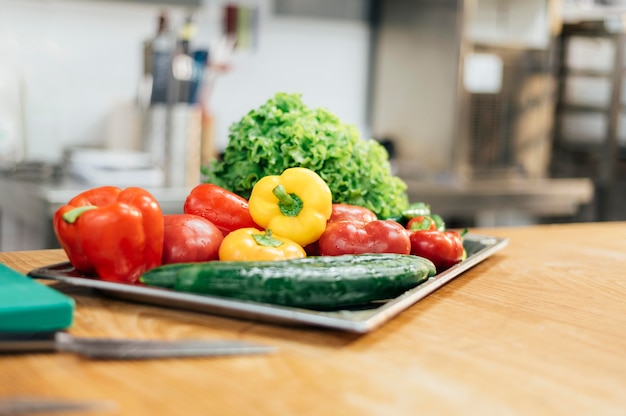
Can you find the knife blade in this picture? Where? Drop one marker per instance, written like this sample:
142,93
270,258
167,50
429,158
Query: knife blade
125,349
14,406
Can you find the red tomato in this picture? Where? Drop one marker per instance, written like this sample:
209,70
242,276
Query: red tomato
444,249
227,210
351,212
343,212
190,238
354,237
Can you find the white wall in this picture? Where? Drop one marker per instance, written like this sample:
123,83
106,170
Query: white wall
326,61
81,59
415,94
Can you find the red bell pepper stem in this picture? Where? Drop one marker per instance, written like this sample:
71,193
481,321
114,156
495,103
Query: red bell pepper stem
72,215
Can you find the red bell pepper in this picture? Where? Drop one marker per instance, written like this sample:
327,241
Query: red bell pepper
357,237
227,210
113,233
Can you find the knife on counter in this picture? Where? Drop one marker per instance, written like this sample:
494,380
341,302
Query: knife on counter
34,318
14,406
124,349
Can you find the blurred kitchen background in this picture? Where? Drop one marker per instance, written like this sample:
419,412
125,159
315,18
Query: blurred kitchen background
495,112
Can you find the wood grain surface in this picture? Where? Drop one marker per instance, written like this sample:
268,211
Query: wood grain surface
537,329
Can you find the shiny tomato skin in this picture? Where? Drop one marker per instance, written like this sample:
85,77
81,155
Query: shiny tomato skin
444,249
349,212
190,238
226,210
343,212
354,237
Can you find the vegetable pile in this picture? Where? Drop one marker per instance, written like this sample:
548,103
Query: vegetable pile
300,212
288,244
284,133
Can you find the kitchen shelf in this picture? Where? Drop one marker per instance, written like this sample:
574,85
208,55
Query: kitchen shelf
573,14
586,73
176,3
580,108
596,151
573,146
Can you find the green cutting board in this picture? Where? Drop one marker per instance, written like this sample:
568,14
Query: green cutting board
29,306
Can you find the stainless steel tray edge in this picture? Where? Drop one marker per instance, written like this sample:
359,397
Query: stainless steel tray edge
397,305
358,321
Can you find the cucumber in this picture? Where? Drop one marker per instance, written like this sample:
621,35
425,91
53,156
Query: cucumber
317,282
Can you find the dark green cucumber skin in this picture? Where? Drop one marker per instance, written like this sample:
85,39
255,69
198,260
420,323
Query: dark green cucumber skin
324,282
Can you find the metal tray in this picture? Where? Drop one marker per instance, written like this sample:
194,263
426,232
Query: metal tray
361,320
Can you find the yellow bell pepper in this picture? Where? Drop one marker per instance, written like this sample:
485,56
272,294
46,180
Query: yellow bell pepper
295,205
247,244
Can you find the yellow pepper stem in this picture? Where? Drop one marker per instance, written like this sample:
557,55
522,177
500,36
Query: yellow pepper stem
266,239
290,204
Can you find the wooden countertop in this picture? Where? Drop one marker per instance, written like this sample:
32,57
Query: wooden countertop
539,328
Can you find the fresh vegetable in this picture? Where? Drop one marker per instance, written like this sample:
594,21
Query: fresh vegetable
226,210
284,133
421,222
342,212
443,248
415,209
351,212
440,225
356,237
420,209
294,205
190,238
429,237
114,233
247,244
311,282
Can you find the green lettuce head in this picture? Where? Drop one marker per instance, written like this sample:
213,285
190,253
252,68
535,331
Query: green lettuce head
285,133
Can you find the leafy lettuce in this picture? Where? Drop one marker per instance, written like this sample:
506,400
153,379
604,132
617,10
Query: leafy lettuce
285,133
